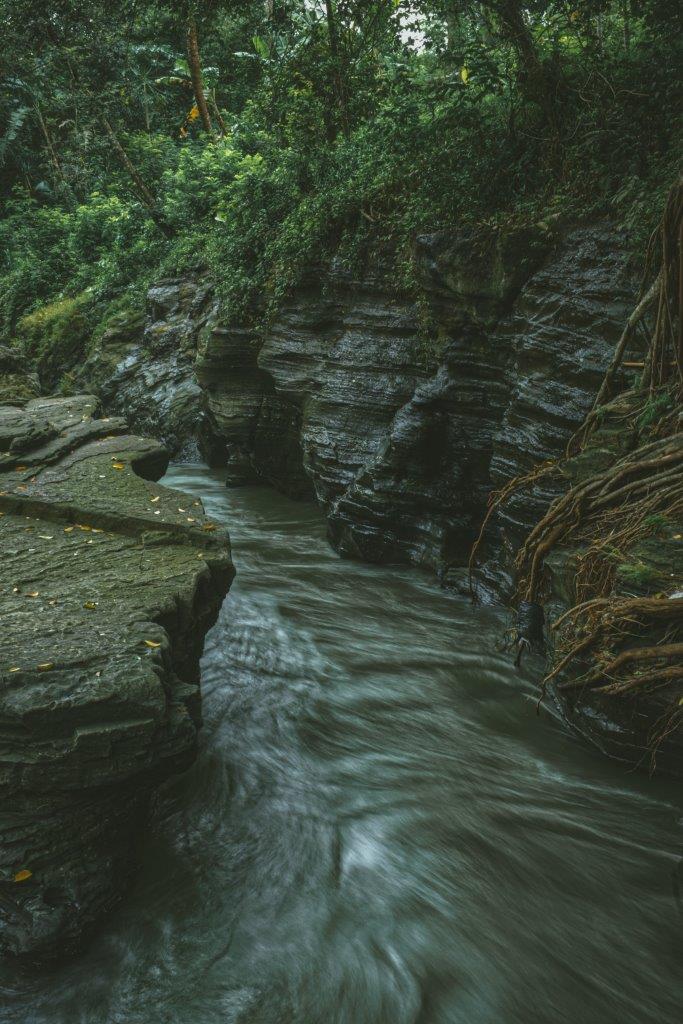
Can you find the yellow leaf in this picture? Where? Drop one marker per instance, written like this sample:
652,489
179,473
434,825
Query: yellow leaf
80,526
23,875
47,666
20,469
464,75
155,499
90,605
15,668
68,529
152,643
33,593
118,465
209,526
194,113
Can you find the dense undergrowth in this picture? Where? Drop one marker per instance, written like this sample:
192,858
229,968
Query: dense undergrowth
333,126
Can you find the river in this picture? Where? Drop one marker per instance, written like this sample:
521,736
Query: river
379,829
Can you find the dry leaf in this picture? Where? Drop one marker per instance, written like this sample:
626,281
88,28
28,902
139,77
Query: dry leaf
46,666
152,643
15,668
155,499
23,875
20,469
32,593
118,465
68,529
90,605
209,526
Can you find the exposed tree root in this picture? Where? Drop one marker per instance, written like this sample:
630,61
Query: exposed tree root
621,645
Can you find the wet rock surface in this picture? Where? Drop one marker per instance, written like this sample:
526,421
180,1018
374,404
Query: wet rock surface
142,366
109,585
402,417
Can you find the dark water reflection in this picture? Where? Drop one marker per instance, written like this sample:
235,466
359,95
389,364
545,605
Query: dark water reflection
379,830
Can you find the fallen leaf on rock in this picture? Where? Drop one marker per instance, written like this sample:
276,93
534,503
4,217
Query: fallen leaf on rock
32,593
20,469
23,875
191,520
155,499
152,643
68,529
45,536
90,605
118,465
46,666
15,668
209,526
85,527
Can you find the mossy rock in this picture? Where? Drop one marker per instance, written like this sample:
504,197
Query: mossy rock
55,337
17,384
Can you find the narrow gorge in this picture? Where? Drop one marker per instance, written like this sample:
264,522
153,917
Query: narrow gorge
341,512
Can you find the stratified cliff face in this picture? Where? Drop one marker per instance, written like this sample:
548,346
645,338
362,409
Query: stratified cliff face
143,364
399,416
109,586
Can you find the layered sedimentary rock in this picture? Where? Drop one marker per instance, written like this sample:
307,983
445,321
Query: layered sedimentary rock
109,585
402,415
142,366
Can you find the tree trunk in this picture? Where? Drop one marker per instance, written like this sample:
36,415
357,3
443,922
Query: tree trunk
142,191
337,74
54,159
541,86
196,74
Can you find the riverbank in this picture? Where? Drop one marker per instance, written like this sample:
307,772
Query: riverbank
378,828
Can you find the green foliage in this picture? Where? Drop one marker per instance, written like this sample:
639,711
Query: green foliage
55,336
655,407
638,575
393,119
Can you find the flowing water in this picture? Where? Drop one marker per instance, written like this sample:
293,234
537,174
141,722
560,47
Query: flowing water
379,829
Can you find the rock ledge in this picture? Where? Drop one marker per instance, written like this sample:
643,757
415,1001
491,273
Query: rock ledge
109,584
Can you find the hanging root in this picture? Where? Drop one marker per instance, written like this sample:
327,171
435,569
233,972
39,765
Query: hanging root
603,640
498,498
615,644
663,363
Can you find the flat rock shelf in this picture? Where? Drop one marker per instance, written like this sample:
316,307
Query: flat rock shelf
108,586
